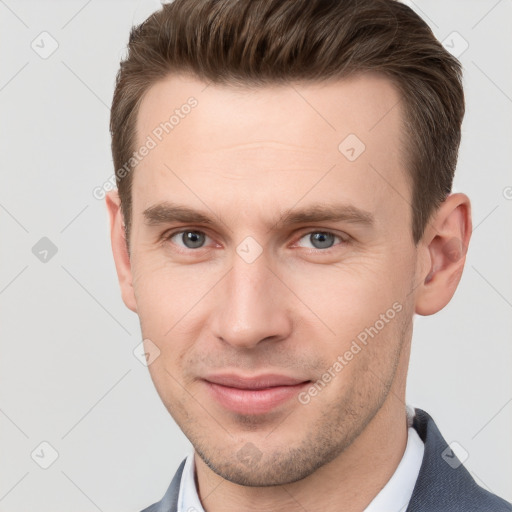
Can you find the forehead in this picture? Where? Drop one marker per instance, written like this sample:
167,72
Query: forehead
362,103
273,138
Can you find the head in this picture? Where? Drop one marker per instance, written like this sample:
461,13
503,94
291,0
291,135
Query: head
290,213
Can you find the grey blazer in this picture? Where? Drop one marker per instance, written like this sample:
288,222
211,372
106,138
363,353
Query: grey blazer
441,485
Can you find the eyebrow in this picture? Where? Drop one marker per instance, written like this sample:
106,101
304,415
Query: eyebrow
327,213
167,212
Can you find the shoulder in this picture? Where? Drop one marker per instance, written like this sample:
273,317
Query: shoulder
443,482
169,502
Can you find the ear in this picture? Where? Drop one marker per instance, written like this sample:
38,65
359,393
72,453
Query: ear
120,249
445,243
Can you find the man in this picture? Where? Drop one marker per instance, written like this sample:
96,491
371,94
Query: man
283,210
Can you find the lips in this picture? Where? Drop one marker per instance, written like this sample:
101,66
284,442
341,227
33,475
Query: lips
257,382
253,395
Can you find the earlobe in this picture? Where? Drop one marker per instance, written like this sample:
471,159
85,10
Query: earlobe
446,239
120,249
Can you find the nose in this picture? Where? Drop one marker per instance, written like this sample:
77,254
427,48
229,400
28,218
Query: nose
253,305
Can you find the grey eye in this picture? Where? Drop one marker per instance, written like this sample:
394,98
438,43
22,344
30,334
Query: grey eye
192,239
321,239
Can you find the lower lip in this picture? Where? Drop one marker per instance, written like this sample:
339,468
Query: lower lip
253,401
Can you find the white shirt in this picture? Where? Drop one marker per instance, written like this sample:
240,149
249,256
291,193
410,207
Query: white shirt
395,495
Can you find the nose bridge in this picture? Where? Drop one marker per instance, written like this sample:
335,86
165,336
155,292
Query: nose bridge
251,308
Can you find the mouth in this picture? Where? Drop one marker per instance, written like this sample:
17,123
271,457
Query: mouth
253,395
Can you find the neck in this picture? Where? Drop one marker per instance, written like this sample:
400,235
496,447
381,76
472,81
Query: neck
349,482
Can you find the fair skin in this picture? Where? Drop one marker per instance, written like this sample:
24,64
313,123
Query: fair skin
244,158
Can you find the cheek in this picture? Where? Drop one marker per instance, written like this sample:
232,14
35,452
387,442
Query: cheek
166,290
173,305
345,297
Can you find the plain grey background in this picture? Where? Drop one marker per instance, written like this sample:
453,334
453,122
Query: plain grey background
68,374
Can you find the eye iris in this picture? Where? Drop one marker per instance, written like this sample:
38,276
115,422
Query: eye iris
192,239
322,240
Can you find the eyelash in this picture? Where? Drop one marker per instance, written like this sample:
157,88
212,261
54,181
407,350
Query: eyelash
344,240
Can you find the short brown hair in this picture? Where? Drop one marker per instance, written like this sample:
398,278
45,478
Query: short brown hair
262,42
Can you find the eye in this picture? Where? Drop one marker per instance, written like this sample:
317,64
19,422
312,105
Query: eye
321,239
195,239
188,239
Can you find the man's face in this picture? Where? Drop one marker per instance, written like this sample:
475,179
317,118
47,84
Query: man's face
260,289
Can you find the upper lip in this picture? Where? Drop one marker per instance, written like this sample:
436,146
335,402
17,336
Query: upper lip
256,382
